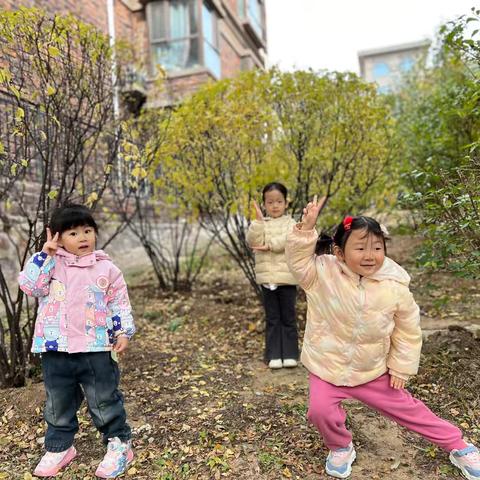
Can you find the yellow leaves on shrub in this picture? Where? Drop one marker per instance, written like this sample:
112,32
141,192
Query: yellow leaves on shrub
92,198
53,51
20,114
139,172
52,194
15,91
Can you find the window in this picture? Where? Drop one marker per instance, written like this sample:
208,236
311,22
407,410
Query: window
380,70
384,89
407,64
251,10
254,14
174,34
175,39
210,41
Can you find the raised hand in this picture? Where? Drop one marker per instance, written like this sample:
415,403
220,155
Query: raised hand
311,211
51,245
258,211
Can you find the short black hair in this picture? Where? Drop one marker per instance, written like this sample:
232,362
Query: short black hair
69,216
275,186
358,223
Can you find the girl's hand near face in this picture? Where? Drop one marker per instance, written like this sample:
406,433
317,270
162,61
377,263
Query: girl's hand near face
397,383
51,245
311,211
258,212
121,344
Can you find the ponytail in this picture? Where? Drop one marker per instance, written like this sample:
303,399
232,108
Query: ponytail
324,244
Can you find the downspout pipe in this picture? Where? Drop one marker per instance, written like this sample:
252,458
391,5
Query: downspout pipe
116,101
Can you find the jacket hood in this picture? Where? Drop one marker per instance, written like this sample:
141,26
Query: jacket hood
389,270
93,256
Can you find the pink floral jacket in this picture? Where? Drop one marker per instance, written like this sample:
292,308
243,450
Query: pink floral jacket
83,302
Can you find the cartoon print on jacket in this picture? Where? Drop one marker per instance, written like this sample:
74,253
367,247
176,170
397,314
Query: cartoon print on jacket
83,302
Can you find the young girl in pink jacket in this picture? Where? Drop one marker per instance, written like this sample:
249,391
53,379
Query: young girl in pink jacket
362,339
84,314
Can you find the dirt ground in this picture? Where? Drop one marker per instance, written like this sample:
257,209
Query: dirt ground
204,406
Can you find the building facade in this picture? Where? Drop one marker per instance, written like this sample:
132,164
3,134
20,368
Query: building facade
386,66
192,41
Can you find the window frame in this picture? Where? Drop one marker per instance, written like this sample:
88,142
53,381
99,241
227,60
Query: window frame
244,9
199,36
216,35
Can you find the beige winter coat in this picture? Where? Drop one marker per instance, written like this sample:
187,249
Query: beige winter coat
271,267
357,328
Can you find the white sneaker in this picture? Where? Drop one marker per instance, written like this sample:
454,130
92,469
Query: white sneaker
275,363
290,363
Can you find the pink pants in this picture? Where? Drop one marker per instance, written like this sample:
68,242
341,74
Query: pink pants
328,416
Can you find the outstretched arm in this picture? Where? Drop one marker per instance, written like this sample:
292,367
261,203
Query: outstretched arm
300,247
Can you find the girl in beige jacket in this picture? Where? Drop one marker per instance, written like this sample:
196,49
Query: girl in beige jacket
267,237
362,339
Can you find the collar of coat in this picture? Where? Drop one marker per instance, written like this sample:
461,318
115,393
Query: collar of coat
85,260
389,270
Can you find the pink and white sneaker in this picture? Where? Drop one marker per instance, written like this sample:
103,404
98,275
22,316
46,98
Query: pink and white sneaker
339,462
468,461
52,462
119,455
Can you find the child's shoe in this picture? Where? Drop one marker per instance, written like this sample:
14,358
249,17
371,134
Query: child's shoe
468,461
119,455
52,462
275,363
339,462
290,363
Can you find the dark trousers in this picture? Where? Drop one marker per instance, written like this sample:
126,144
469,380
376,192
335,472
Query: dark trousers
70,377
281,335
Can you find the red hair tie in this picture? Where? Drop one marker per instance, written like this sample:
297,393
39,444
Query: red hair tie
347,223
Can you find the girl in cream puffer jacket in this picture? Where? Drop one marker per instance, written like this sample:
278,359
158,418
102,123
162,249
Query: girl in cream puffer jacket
362,338
267,237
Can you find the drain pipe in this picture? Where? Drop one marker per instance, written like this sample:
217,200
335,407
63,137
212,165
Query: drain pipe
116,101
111,35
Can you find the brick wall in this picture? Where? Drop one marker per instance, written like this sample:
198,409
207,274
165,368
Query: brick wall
179,87
232,5
91,11
231,61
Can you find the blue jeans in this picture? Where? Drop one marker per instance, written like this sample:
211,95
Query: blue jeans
70,377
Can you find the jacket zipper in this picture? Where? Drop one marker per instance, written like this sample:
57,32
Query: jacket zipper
361,290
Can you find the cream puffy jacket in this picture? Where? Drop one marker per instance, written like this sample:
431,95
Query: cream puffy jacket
357,328
271,266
